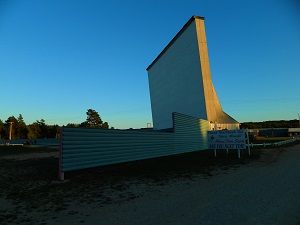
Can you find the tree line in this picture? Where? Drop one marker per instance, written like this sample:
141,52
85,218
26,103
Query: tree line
16,128
271,124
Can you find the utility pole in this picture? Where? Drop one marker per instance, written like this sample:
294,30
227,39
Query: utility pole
299,118
10,129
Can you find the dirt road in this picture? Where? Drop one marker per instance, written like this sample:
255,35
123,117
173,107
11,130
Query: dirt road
264,192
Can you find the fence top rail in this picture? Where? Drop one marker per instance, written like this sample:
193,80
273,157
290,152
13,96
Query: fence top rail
90,130
275,143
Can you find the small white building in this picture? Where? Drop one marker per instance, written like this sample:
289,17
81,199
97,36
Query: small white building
294,131
180,81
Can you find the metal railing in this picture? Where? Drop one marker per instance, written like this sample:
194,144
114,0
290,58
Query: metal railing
279,143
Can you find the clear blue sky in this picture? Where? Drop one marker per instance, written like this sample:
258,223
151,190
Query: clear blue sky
60,58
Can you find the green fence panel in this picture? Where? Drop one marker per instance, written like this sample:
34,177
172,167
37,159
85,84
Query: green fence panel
87,147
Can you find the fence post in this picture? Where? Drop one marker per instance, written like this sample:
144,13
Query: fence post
248,143
61,176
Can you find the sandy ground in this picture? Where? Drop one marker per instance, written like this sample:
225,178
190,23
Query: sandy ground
265,192
36,155
262,192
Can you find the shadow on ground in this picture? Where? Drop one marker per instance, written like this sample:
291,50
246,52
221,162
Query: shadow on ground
30,191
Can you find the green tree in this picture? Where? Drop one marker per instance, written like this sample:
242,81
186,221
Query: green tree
22,131
2,130
94,120
34,130
53,131
40,129
72,125
43,128
271,124
105,125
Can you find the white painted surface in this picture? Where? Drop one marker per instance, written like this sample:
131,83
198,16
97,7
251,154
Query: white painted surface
226,139
175,81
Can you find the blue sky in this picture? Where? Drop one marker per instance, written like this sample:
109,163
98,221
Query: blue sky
60,58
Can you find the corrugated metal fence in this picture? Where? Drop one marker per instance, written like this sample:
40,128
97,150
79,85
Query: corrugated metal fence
85,147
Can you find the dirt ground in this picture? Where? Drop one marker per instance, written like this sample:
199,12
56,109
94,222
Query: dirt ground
196,188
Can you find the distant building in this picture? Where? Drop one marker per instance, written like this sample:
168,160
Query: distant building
180,80
294,131
279,132
273,132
